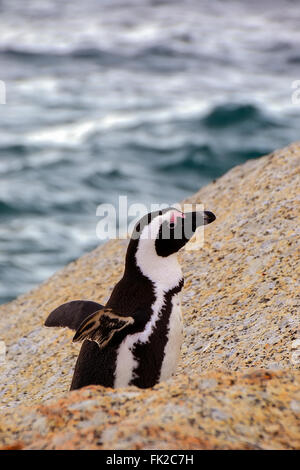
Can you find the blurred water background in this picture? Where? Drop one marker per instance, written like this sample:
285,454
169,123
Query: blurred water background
146,98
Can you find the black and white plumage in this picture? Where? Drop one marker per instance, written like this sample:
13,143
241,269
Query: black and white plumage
136,338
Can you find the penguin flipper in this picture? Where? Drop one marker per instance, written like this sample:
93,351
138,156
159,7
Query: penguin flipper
101,326
72,314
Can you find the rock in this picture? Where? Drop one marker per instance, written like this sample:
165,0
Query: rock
237,385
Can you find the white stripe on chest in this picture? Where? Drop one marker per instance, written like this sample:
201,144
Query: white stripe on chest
126,363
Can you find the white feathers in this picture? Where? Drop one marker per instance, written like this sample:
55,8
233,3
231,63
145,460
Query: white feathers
125,360
125,363
164,272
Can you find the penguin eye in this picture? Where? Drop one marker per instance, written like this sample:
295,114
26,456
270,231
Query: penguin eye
173,219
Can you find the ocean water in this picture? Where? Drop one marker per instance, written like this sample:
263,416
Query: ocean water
151,99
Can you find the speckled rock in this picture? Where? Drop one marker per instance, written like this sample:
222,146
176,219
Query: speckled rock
237,384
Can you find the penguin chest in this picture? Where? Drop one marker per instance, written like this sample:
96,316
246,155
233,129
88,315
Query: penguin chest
174,340
151,356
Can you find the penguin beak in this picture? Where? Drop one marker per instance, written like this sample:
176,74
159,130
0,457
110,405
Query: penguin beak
193,220
208,217
197,219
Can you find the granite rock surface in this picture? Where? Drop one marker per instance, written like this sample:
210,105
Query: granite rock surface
237,385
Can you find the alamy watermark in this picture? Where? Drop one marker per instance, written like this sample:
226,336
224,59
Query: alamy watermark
2,352
121,221
2,92
296,93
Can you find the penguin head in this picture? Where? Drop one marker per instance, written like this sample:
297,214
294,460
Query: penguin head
165,232
178,228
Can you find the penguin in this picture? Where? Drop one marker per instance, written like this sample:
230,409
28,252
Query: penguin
136,338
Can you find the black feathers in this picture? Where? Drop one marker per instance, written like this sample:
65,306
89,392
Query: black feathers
72,314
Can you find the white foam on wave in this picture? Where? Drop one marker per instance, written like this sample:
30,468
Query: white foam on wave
35,85
76,133
68,135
